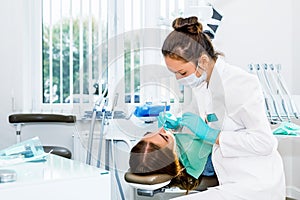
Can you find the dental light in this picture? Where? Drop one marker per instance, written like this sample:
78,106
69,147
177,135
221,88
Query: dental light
206,13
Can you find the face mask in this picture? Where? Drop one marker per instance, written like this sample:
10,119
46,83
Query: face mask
192,80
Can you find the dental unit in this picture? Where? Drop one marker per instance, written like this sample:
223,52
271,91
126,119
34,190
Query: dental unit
278,101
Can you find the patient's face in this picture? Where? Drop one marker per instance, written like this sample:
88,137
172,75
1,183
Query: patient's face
160,138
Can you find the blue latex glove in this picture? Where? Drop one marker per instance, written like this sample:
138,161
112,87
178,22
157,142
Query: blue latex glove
196,124
168,121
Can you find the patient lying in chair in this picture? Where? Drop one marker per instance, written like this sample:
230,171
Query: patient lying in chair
182,156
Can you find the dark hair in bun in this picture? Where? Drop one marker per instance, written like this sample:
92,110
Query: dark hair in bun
189,25
187,42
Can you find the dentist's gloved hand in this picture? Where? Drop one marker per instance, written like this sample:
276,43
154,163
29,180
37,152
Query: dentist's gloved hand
168,121
196,124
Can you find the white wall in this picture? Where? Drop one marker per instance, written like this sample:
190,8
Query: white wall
296,90
11,62
258,31
295,47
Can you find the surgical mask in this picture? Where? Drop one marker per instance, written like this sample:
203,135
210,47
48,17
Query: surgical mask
192,80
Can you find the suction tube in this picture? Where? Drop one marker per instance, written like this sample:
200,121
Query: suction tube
92,127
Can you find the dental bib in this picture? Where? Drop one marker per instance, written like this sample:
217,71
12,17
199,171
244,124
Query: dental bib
192,153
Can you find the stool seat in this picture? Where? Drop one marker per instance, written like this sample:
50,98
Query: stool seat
206,182
60,151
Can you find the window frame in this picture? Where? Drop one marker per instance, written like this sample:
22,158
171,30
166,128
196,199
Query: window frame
33,95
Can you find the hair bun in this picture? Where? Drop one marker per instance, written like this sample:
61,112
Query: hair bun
187,25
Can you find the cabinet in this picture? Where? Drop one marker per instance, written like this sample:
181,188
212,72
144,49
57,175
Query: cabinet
57,178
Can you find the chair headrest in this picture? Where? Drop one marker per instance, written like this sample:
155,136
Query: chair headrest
149,182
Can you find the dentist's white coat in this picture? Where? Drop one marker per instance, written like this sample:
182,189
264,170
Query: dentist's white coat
246,162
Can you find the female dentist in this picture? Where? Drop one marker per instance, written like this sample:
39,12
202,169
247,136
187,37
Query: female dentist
244,155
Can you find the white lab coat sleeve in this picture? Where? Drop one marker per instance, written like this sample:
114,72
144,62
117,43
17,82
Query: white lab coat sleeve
256,137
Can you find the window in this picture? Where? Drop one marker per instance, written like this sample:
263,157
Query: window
89,44
74,56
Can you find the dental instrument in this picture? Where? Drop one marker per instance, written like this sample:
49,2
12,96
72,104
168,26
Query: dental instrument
278,101
164,113
103,123
104,114
285,91
113,149
251,68
92,127
269,92
276,89
270,86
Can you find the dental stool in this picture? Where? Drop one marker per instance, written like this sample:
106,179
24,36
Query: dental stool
152,184
206,182
19,120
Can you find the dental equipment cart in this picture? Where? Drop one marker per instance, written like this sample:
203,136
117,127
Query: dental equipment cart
57,178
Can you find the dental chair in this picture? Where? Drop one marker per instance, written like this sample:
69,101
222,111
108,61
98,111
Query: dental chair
148,185
22,119
152,184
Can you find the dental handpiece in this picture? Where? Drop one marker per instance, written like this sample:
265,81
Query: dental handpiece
164,114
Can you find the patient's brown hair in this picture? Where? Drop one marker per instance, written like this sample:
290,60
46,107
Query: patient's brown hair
147,158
